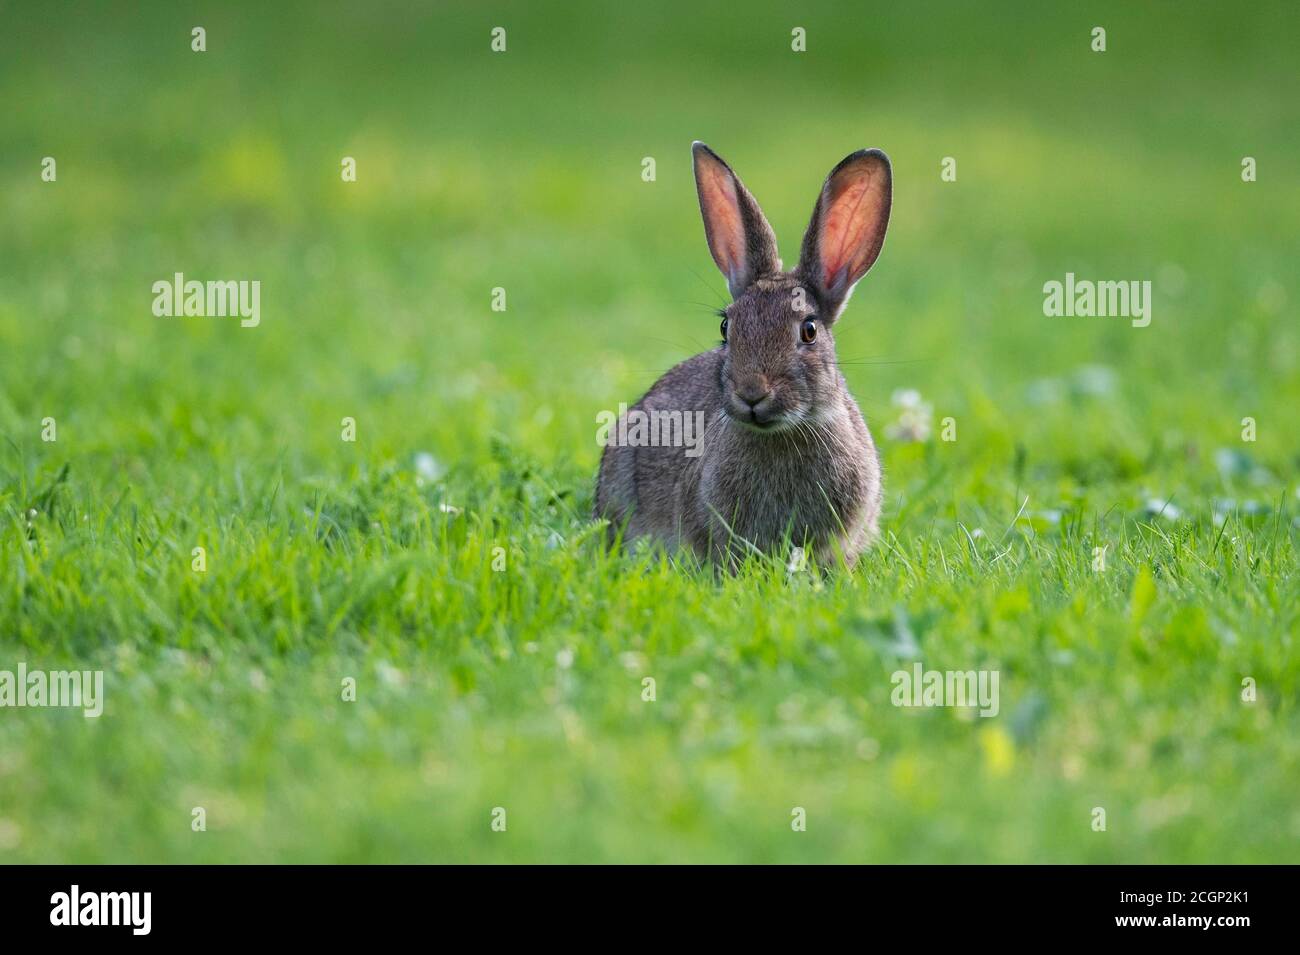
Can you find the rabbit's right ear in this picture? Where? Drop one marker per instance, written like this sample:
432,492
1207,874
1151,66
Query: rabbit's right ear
848,227
740,239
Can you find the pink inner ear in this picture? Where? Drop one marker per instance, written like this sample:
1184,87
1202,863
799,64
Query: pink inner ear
722,210
849,239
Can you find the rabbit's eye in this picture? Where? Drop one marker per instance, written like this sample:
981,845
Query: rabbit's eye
723,328
808,332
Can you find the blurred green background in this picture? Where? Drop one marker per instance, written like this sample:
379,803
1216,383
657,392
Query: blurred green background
475,431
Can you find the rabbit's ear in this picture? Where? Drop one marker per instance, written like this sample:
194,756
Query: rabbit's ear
739,237
848,227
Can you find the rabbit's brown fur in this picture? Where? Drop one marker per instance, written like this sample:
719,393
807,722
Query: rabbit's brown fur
786,450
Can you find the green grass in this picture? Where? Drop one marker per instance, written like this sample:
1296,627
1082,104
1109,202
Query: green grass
523,688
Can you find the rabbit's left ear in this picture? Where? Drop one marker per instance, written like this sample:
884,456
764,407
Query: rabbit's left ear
740,239
848,226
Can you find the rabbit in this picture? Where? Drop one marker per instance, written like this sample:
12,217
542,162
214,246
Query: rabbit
786,454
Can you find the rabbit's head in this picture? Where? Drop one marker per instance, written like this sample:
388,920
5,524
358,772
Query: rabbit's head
778,366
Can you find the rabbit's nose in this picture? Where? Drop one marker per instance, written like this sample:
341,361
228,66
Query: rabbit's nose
753,390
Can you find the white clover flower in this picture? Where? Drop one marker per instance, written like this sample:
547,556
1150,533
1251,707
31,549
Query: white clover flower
1159,507
914,417
1095,380
427,468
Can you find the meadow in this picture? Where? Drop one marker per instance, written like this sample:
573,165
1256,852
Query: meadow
1103,529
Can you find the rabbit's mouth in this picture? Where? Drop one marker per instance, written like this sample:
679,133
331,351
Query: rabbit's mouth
759,404
757,418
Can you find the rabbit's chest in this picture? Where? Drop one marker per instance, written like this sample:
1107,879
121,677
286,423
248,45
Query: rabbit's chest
805,490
